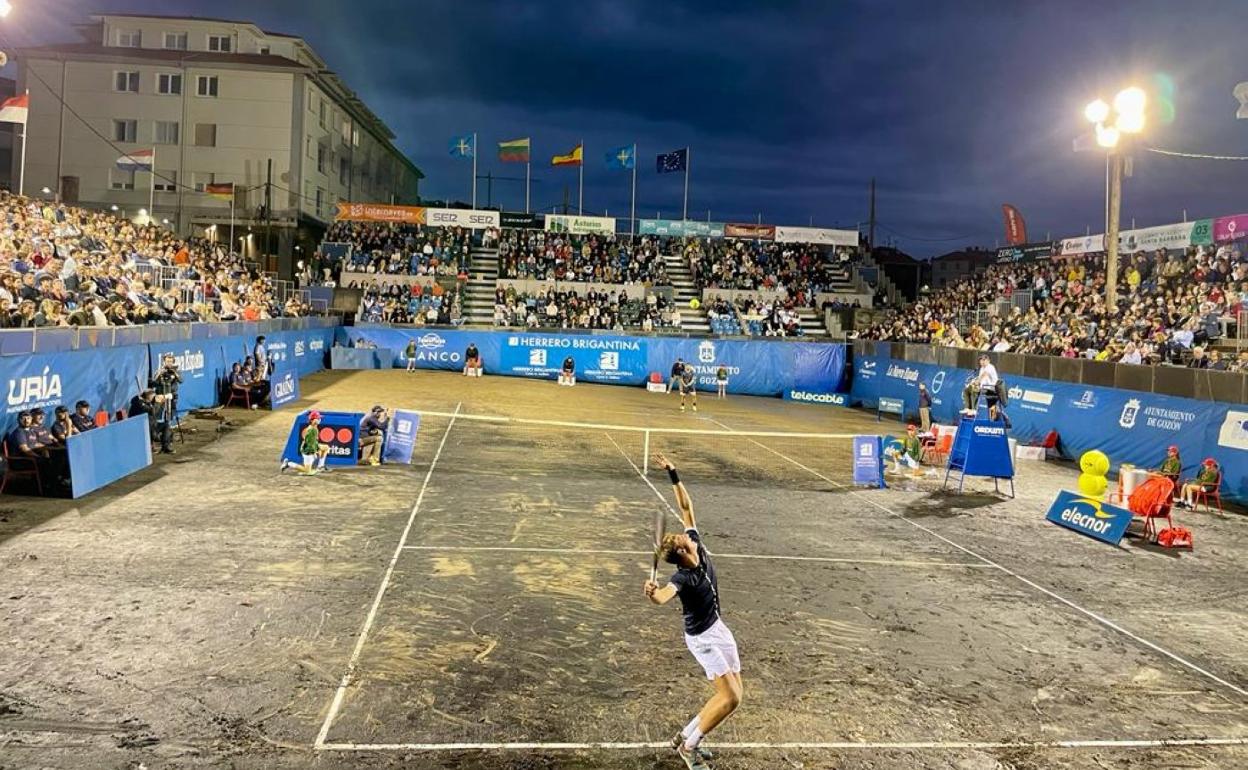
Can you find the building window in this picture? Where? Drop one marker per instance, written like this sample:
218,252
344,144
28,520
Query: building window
321,110
320,200
120,180
168,83
344,171
202,180
265,50
308,143
205,134
129,38
355,137
175,41
127,82
166,181
206,85
166,132
219,43
320,158
125,130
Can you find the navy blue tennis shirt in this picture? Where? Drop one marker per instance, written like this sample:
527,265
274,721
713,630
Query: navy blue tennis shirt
698,590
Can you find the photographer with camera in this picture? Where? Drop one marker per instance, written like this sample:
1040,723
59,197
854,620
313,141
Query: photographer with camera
152,405
165,386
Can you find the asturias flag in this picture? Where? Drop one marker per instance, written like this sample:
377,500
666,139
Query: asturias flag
622,157
139,160
463,146
676,160
571,159
14,110
514,151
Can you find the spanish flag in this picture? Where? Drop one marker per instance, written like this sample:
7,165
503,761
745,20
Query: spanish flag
571,159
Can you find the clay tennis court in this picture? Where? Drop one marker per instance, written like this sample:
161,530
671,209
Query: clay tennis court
483,607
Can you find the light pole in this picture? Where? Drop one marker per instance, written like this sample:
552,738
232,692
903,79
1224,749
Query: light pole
1128,112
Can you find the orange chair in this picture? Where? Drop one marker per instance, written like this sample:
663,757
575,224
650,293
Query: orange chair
28,469
938,453
101,418
1150,501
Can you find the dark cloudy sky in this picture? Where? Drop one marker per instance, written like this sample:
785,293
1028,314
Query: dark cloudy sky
954,106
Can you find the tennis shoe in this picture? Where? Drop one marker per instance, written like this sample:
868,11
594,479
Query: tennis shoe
695,407
682,409
706,755
691,758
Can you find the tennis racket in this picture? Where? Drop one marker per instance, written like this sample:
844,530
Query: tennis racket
659,521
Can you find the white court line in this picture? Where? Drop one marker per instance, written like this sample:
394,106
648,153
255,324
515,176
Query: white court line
1048,592
758,556
336,704
834,745
625,428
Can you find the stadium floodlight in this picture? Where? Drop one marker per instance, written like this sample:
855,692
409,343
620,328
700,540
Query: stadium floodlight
5,8
1107,136
142,212
1097,111
46,191
113,207
1130,101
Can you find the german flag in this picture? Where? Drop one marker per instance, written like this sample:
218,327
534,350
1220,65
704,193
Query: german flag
571,159
221,190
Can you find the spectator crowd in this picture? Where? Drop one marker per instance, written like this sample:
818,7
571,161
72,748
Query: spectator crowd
570,309
543,256
62,265
800,270
416,304
387,248
1172,307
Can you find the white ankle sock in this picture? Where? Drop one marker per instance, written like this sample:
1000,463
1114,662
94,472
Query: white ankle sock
693,725
693,739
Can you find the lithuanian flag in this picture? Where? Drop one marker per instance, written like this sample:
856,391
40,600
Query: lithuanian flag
571,159
514,151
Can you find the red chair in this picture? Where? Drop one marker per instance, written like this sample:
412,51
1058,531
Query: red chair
1215,494
101,418
28,470
1150,501
236,393
938,453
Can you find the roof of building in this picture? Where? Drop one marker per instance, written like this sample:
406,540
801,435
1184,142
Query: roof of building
162,54
190,18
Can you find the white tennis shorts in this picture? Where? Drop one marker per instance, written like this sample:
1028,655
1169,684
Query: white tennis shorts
716,649
308,460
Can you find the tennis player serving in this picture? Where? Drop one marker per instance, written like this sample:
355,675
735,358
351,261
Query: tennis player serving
710,641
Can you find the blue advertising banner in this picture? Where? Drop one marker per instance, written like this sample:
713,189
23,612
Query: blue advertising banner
755,367
1129,426
826,399
401,438
101,456
202,366
285,386
1091,517
106,377
679,228
868,461
340,430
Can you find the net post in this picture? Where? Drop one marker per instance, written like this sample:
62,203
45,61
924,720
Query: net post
645,454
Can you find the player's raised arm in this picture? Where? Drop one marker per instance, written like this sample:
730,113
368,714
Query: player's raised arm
682,495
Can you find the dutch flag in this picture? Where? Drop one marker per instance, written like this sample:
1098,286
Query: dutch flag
139,160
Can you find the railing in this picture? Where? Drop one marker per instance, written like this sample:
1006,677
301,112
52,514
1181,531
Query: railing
14,342
1202,384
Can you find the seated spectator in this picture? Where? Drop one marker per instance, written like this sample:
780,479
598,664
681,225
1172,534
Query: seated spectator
1207,479
63,427
1171,466
81,418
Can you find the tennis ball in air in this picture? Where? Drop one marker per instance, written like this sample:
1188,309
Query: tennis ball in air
1091,485
694,304
1094,462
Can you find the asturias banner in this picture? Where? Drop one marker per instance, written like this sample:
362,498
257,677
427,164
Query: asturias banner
565,223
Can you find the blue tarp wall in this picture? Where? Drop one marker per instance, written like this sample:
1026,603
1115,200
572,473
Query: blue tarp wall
1129,426
755,367
110,375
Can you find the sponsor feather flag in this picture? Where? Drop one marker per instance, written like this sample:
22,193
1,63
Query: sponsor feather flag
514,151
1015,227
139,160
571,159
14,110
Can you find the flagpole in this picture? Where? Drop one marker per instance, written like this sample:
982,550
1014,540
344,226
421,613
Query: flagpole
632,211
151,195
21,174
474,170
685,215
580,185
230,250
528,164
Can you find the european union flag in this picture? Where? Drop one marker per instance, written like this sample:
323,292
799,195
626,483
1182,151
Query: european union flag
677,160
622,157
463,146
